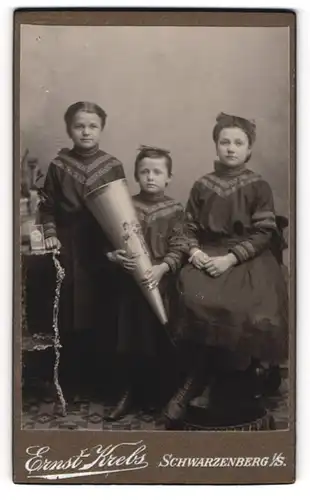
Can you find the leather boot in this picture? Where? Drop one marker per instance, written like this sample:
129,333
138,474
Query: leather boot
176,407
122,407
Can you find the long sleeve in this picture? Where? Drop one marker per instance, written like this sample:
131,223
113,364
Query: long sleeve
46,208
192,227
177,247
263,226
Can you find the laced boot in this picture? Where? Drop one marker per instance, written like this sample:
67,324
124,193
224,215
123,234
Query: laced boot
176,407
122,408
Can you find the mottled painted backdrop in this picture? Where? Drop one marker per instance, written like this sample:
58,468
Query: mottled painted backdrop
162,86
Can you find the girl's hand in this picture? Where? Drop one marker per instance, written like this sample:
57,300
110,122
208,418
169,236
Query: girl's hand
199,259
52,243
218,265
150,281
121,258
154,276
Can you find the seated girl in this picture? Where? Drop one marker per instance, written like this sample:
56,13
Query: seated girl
233,298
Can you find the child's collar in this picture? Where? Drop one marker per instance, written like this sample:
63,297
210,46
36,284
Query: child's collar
151,197
224,171
85,153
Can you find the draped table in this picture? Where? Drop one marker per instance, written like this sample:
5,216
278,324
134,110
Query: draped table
42,276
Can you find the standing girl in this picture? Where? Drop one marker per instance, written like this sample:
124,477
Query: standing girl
68,224
232,292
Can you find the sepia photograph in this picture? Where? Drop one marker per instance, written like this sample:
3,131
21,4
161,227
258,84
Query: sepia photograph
155,215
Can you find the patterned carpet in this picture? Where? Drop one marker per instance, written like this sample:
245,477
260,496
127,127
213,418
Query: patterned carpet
44,413
82,415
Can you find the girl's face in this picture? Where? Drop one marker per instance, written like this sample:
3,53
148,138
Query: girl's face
85,129
233,147
153,175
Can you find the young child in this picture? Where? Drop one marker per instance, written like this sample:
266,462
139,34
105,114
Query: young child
233,296
143,345
68,224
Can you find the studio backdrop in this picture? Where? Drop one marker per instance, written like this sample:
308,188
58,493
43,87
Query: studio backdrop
162,86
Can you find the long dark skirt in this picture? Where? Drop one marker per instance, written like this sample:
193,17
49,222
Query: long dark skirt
243,311
139,330
90,279
87,323
147,357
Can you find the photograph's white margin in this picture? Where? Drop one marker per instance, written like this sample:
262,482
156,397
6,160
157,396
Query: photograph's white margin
301,488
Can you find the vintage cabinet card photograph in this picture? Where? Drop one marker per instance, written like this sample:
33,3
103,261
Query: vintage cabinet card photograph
154,247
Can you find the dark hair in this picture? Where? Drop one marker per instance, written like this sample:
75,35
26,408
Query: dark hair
153,152
230,121
88,107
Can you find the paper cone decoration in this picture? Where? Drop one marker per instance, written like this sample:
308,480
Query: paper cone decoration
112,207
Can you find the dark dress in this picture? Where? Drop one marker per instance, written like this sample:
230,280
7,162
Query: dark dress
63,214
244,311
161,219
88,312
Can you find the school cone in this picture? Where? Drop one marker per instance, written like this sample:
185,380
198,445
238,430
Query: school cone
112,207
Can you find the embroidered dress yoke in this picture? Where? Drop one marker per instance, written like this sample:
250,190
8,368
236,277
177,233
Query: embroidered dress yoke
161,220
244,309
71,175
